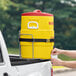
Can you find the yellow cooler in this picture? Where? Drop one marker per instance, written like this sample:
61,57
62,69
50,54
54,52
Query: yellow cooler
36,35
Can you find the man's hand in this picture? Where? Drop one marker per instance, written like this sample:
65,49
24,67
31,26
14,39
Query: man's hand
57,62
56,51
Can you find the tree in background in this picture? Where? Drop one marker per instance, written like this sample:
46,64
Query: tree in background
10,19
63,10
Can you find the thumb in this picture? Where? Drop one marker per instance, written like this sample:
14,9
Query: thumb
53,52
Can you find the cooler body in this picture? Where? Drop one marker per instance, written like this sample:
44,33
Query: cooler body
36,35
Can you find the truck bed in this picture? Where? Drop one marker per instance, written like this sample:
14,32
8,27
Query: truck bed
16,60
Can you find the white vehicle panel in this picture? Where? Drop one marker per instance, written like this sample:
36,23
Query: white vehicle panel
33,69
36,69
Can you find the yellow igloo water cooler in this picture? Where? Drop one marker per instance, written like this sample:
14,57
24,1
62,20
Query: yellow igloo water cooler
36,35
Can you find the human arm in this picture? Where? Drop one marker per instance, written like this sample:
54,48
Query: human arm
69,53
58,62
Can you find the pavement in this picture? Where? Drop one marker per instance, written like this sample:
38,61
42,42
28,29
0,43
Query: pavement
61,69
68,73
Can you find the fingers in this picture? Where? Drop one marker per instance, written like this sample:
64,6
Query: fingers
56,62
54,52
53,59
53,62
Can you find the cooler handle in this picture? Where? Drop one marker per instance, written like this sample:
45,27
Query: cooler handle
33,27
32,45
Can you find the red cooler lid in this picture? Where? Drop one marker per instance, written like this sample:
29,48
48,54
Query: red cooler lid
36,13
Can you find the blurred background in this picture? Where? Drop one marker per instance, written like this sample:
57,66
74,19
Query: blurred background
65,20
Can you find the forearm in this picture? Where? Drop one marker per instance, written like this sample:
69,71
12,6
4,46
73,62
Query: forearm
69,64
69,53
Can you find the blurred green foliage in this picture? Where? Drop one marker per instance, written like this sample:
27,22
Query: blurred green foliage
66,58
13,51
63,10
